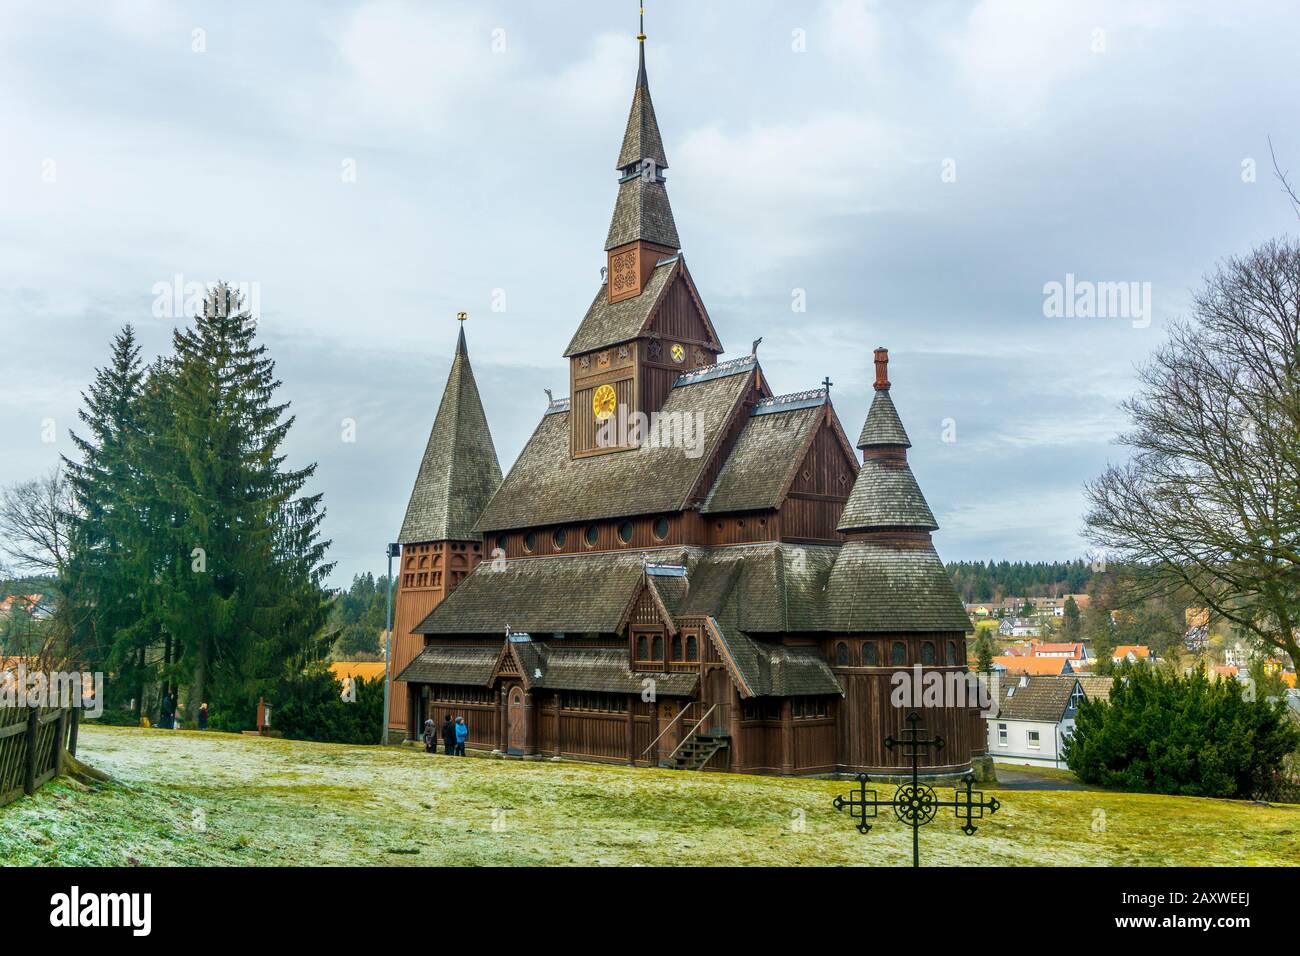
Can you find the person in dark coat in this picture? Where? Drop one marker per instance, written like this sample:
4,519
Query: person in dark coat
449,736
203,716
430,737
167,717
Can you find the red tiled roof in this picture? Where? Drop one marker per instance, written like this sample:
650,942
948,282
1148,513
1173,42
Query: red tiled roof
1052,666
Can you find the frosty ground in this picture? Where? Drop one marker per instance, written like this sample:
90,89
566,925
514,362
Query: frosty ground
186,798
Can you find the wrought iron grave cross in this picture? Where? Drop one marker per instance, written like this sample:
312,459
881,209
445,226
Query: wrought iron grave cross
915,803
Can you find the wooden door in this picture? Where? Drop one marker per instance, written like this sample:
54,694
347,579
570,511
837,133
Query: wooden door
515,719
719,694
673,735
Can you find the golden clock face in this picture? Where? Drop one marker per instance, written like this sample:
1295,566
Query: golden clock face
603,402
679,353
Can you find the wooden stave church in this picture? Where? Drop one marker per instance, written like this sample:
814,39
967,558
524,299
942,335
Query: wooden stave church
550,608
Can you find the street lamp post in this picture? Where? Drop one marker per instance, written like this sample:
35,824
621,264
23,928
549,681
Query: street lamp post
394,551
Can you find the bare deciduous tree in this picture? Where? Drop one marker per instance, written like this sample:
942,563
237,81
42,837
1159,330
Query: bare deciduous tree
35,519
1209,503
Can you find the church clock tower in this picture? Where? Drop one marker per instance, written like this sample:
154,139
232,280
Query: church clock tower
647,324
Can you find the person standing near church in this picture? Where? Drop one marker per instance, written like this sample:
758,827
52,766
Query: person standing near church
203,716
462,734
449,736
430,736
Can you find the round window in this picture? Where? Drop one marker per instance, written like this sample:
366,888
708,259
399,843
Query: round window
625,532
530,541
558,539
593,535
661,529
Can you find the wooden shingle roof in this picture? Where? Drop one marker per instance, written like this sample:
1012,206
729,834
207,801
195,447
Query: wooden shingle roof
762,464
603,669
459,471
577,593
642,211
641,139
546,486
606,324
876,586
778,670
886,495
883,426
451,665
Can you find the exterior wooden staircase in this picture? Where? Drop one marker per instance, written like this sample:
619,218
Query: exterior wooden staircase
697,750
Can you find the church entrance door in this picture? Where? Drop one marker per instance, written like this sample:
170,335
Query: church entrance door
515,720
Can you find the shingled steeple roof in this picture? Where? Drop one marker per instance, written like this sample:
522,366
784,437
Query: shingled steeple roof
883,427
885,494
642,210
641,139
459,471
887,576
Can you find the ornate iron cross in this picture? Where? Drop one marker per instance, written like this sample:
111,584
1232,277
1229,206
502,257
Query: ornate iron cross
916,803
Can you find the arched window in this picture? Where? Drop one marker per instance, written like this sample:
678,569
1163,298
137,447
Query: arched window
677,647
952,652
642,648
927,652
692,648
593,535
841,654
898,654
870,656
657,649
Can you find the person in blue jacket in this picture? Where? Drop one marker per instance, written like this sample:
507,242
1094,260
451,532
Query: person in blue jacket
462,733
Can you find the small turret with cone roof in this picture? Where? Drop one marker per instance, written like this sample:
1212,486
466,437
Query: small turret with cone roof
885,494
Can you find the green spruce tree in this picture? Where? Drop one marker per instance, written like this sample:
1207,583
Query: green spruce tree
239,586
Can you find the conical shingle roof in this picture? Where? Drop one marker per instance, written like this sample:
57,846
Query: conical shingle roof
642,210
877,587
641,139
886,495
883,426
459,471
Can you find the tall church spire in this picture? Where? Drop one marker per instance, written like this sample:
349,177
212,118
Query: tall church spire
459,471
642,211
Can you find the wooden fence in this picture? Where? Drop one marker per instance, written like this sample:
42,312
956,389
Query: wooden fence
31,741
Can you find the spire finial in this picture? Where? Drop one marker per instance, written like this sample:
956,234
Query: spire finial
882,370
462,316
641,36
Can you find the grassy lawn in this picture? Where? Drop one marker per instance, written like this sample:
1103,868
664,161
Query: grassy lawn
184,798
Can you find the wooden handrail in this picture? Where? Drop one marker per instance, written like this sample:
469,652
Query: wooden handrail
680,714
692,730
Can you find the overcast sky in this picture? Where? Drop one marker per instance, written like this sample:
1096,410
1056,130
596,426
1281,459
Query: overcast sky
919,171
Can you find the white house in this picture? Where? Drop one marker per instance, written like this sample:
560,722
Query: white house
1019,627
1032,718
